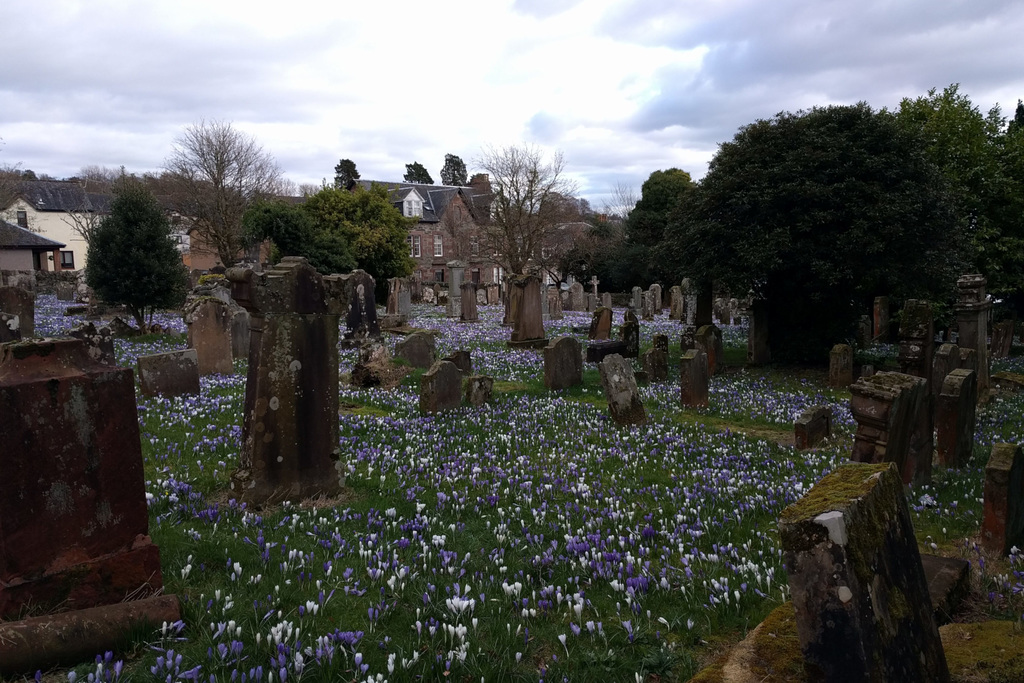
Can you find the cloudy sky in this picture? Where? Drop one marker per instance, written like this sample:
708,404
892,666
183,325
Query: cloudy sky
622,87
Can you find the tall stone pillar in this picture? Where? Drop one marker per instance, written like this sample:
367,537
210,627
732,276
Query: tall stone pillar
972,312
758,348
456,275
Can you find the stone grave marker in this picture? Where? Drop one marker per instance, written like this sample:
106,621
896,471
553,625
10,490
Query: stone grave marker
527,325
1002,525
840,366
481,295
887,409
175,373
600,324
629,333
66,291
863,611
657,303
598,350
620,389
563,363
440,388
493,294
636,298
864,332
660,341
418,349
972,311
468,303
1002,339
555,304
456,276
545,303
676,303
479,389
917,339
576,297
361,319
10,327
463,361
16,301
209,333
812,427
758,349
693,379
99,342
955,413
655,363
606,299
708,339
881,319
428,296
945,361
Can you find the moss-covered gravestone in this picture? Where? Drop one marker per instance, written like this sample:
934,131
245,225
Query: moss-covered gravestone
955,417
887,409
863,611
620,389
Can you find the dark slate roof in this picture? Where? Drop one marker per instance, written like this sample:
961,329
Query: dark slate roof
435,197
16,237
55,195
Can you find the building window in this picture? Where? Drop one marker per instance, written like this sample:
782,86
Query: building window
438,246
414,246
67,260
475,275
439,275
413,207
23,219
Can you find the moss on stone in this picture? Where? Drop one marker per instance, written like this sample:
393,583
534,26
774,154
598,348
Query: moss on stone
850,481
212,277
777,648
985,652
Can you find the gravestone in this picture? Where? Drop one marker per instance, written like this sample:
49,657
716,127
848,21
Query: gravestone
955,413
758,349
689,293
646,306
708,339
656,299
577,302
563,363
660,341
594,282
812,427
440,388
945,361
863,611
655,363
704,305
620,390
468,303
418,349
373,367
456,274
479,389
175,373
606,299
428,296
481,296
209,333
512,300
629,333
66,291
636,298
676,303
592,303
527,325
840,366
598,350
693,379
99,342
10,327
399,297
864,332
493,294
629,316
289,444
239,332
881,319
600,324
75,531
1002,339
555,304
20,302
545,302
361,319
463,361
916,354
1002,526
887,409
972,311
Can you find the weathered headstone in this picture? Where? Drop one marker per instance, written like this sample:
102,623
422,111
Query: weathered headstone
881,319
563,363
600,324
20,302
545,302
418,349
555,304
99,342
812,427
1002,525
972,312
174,373
373,366
440,388
463,361
594,282
1002,339
636,298
493,294
209,333
10,327
693,379
655,364
629,333
945,361
676,303
593,303
456,275
428,296
65,291
528,324
660,341
646,306
864,332
840,366
620,389
468,303
478,389
239,332
577,302
887,409
917,339
955,413
606,299
75,529
863,611
708,339
399,297
758,349
656,299
289,444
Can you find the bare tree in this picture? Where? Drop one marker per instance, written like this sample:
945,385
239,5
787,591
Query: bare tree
623,200
218,173
529,203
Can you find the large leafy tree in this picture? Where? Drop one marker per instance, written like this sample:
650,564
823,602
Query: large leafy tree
454,171
293,232
660,194
416,173
366,221
132,259
344,173
817,212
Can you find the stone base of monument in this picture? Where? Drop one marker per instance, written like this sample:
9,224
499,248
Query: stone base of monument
598,349
949,582
69,638
528,344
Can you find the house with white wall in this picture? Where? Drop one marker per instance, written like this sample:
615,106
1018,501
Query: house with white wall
51,208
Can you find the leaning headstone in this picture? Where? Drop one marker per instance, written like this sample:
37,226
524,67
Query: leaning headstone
10,327
600,324
812,427
972,312
655,364
563,363
75,531
708,339
840,366
887,409
479,389
174,373
577,301
528,323
676,303
620,390
629,333
955,417
99,342
1002,339
440,388
20,302
1002,526
463,361
863,611
418,349
468,303
290,427
693,379
209,333
881,319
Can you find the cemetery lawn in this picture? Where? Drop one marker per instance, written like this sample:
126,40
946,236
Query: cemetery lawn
529,539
